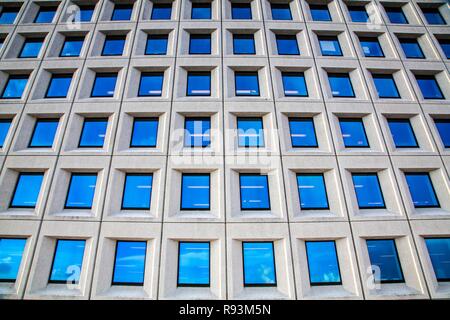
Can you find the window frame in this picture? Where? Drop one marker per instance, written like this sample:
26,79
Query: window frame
410,41
160,6
193,285
292,74
238,73
57,120
269,207
428,251
151,73
319,6
371,40
71,38
13,195
53,261
313,174
320,284
438,87
252,35
144,119
350,119
443,120
10,122
104,75
389,120
160,36
397,258
305,119
392,9
128,284
15,77
113,37
136,174
198,73
70,185
280,6
385,76
59,76
209,191
95,119
379,187
287,37
241,5
122,6
31,40
437,205
201,5
196,118
10,9
330,38
250,285
3,280
341,75
255,118
46,9
200,36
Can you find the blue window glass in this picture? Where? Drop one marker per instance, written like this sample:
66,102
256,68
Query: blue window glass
200,44
445,45
195,191
31,48
294,84
358,14
320,12
59,86
198,84
27,190
81,191
145,133
11,252
5,124
246,83
287,44
67,261
303,134
201,10
421,190
443,127
129,264
15,86
8,15
93,133
396,15
368,190
385,85
156,44
254,191
323,263
412,49
122,12
151,84
259,264
329,46
281,11
341,85
161,11
104,85
383,254
86,13
45,15
312,191
241,11
243,44
439,251
137,192
193,264
113,46
402,133
371,47
433,16
250,132
72,47
429,87
44,133
197,132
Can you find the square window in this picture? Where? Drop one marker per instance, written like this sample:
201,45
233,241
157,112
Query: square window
259,264
244,44
320,12
294,84
246,83
250,132
371,47
81,191
113,46
197,132
156,44
368,191
104,85
161,11
358,14
5,124
15,86
145,133
195,191
86,12
198,84
59,86
353,133
31,48
443,127
402,133
137,191
421,190
412,49
445,45
122,12
193,264
254,191
439,251
11,252
200,44
302,132
341,85
72,47
281,11
312,191
385,85
383,254
287,44
151,84
8,15
201,10
44,133
45,15
329,46
429,87
396,15
27,190
67,261
433,16
93,133
129,263
323,264
241,11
